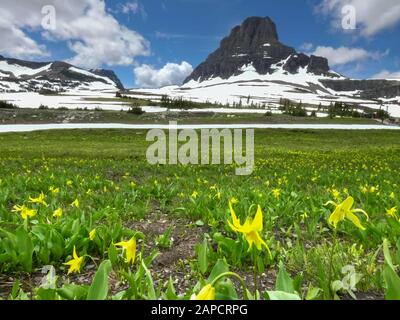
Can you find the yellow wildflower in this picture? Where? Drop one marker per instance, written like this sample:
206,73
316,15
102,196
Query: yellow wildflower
207,293
39,200
335,193
58,213
92,234
25,212
250,229
344,211
130,248
75,203
392,213
276,193
54,190
75,264
195,194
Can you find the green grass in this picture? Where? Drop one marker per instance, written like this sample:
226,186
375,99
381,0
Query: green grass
31,116
117,187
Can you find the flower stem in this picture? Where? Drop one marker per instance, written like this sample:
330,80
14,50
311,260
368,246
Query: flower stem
233,275
332,253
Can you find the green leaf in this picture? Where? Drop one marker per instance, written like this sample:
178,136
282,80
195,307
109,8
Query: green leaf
225,290
46,294
171,293
392,281
280,295
220,267
113,255
15,290
313,293
199,223
73,292
202,256
283,281
390,276
386,252
24,249
150,284
99,288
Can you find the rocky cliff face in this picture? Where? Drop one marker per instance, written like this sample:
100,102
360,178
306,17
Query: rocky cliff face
256,42
369,89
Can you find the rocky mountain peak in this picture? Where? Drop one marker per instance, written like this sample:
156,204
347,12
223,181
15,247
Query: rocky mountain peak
256,42
254,32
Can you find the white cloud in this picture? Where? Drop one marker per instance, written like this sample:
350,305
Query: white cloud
93,35
385,74
171,74
345,55
372,16
130,7
16,43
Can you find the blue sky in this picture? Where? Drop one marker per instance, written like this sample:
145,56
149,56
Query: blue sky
172,31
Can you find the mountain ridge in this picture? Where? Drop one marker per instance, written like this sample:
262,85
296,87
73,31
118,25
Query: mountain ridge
24,75
256,42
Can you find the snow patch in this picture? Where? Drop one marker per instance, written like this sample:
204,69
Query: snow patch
18,70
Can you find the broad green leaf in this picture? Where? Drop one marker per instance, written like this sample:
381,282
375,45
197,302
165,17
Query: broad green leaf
280,295
386,252
392,281
225,290
202,256
99,288
220,267
46,294
313,293
171,293
24,248
73,292
283,281
113,255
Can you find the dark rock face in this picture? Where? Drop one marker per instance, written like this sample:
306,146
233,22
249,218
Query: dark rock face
110,75
255,42
318,65
369,89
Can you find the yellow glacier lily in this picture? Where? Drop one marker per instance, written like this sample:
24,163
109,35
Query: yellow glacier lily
54,190
207,293
58,213
130,248
92,234
75,203
392,213
25,212
250,229
344,211
39,200
75,264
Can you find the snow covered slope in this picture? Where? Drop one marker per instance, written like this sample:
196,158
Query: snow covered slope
252,68
25,76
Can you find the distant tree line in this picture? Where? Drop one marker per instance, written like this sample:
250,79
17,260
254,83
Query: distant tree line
7,105
337,109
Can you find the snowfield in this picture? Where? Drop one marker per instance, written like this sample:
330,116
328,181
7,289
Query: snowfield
19,71
253,92
252,88
73,126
